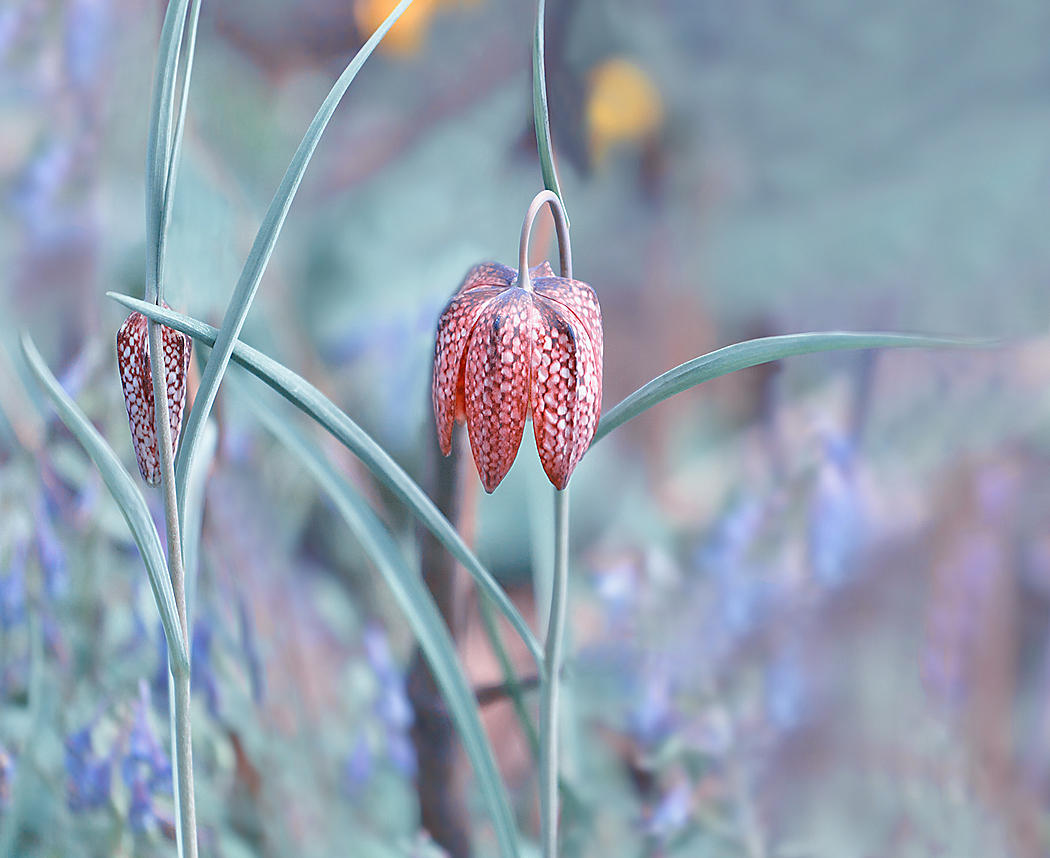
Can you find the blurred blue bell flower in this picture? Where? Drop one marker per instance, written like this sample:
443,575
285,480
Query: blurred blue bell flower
835,514
145,760
87,34
357,771
202,672
51,552
88,776
13,587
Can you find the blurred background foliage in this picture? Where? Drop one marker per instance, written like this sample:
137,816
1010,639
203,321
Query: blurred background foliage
810,603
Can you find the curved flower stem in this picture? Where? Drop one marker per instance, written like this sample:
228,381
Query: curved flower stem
561,224
550,685
550,678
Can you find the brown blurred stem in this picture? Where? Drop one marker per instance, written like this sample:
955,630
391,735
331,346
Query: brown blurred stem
442,778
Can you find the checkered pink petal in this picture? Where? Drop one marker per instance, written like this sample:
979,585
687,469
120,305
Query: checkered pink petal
503,352
565,394
137,381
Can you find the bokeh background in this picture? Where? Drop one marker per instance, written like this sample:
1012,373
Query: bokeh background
810,603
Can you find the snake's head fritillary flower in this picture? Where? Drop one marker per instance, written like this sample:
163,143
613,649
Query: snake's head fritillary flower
137,381
505,351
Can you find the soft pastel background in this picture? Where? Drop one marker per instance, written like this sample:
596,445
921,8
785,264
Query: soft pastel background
810,603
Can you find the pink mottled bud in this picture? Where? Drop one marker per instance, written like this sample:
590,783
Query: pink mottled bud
503,353
137,381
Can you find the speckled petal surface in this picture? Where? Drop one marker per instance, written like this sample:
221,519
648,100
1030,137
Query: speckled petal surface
579,298
453,333
496,376
492,274
565,393
136,379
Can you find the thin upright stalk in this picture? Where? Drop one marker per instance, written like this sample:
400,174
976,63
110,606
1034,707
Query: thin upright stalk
180,681
161,174
551,680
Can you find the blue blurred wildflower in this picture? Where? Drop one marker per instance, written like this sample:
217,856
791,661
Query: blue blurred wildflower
401,751
359,764
13,587
786,690
86,40
392,705
51,552
10,24
671,813
653,717
835,516
87,775
145,767
203,675
35,197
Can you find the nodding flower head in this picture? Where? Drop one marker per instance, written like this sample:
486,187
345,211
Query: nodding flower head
509,346
137,381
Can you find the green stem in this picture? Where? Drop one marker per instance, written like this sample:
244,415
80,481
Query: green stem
182,762
551,680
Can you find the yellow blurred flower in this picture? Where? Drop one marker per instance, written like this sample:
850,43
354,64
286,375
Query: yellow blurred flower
623,106
407,36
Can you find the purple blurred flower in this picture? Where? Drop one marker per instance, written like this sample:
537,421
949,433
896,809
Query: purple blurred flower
402,753
51,552
10,24
145,758
786,691
653,717
358,768
203,675
835,526
87,775
145,767
671,813
13,587
87,40
392,705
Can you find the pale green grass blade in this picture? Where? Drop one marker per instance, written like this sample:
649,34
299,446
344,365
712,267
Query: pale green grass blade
159,139
125,493
755,352
159,244
420,611
540,113
259,256
191,535
301,393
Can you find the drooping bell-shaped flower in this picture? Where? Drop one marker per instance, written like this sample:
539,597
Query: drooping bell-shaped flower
137,380
507,348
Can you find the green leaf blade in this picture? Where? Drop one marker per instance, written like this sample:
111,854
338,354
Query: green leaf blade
159,140
259,257
540,111
309,399
125,493
422,614
754,352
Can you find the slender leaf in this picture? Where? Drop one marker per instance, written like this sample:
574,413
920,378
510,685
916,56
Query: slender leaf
754,352
259,256
125,493
540,113
159,141
421,612
159,243
301,393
